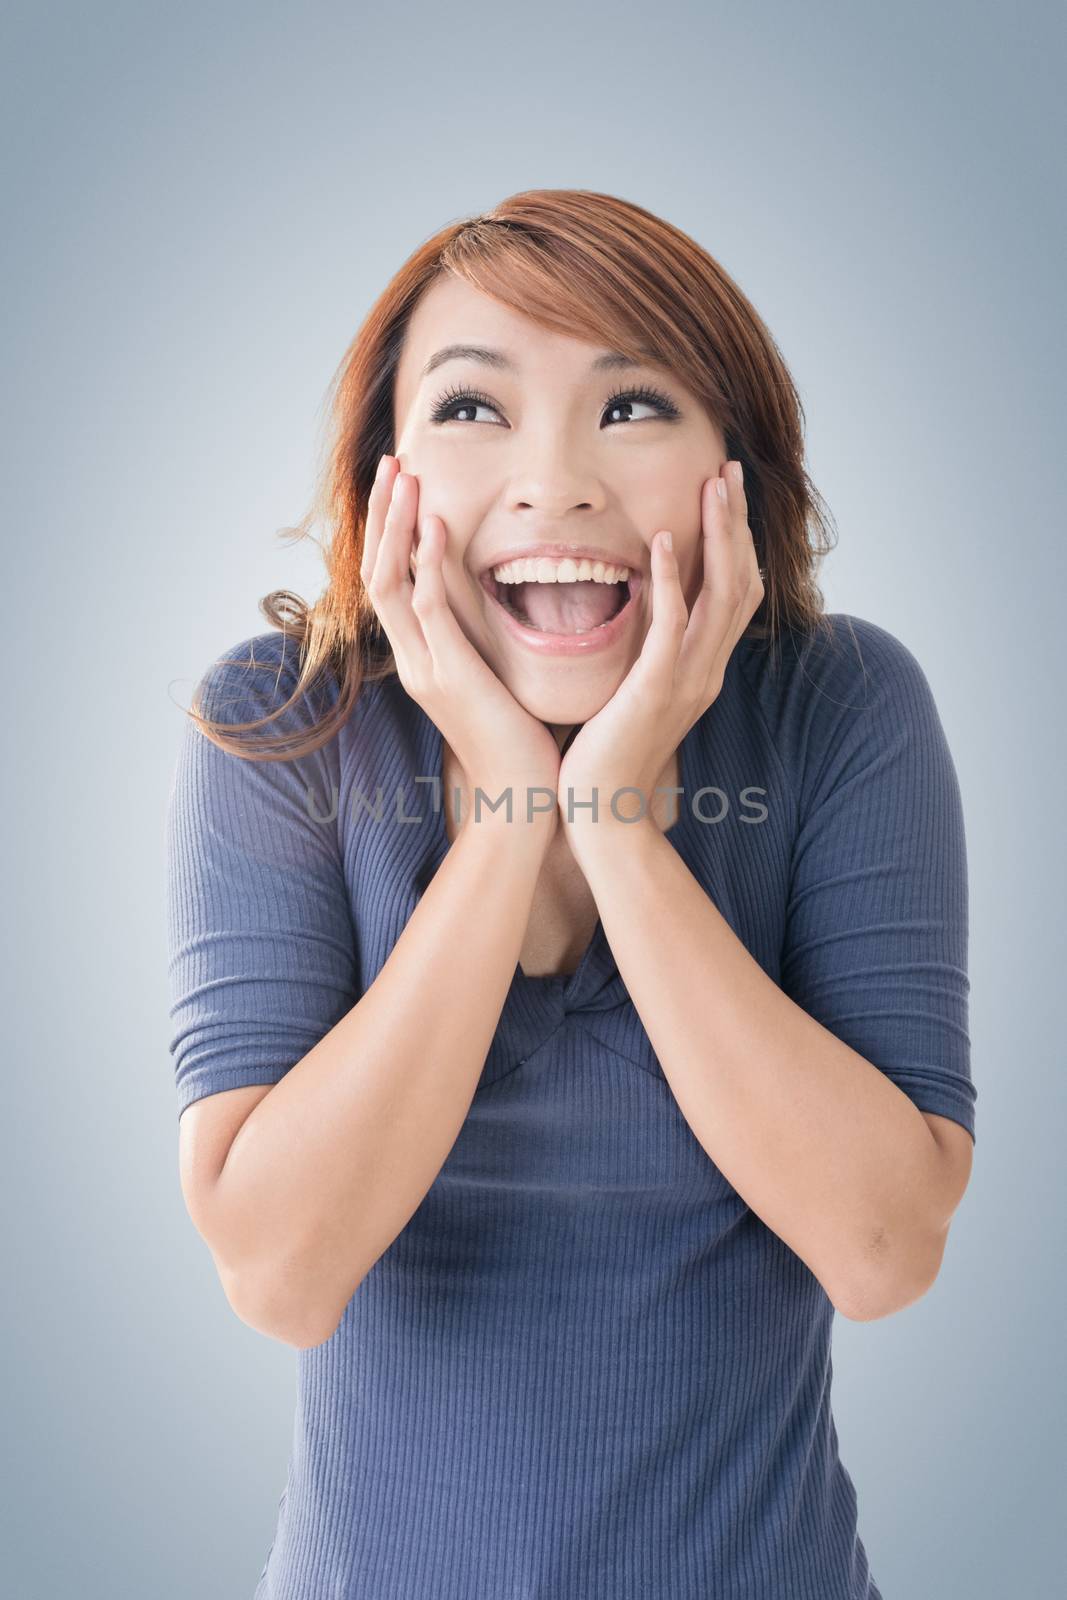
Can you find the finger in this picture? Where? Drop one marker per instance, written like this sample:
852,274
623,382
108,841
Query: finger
670,617
735,491
447,643
716,602
394,554
390,587
377,506
749,574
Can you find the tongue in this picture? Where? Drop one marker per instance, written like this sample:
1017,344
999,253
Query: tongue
566,607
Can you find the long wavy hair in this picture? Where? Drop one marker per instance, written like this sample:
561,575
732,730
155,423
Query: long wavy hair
602,270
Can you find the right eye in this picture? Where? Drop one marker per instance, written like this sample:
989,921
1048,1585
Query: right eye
454,400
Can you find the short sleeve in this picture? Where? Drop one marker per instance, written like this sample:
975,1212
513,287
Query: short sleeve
877,920
261,946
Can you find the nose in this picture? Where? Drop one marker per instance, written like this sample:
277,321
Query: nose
543,504
552,474
556,492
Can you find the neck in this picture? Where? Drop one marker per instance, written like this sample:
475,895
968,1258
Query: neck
563,733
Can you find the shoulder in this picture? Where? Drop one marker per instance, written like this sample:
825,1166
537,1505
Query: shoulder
844,658
845,683
257,675
378,739
844,663
262,764
261,677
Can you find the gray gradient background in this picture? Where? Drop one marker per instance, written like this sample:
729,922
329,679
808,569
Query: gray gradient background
201,207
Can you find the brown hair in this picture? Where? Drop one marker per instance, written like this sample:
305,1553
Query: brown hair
603,270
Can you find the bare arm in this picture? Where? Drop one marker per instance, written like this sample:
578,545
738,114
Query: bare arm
822,1145
332,1163
326,1169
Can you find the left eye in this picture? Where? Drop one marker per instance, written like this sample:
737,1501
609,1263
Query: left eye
635,400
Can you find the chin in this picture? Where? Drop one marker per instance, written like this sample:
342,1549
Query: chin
557,706
558,690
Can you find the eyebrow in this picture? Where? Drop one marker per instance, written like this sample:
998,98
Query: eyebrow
503,363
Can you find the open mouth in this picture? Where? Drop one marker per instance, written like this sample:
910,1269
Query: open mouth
576,610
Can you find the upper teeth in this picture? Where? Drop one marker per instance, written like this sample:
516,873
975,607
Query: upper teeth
542,569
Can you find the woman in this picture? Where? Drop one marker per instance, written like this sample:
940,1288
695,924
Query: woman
553,1137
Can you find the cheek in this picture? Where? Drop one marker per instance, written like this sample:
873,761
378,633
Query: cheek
448,502
444,476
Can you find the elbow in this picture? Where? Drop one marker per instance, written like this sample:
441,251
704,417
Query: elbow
869,1307
298,1332
877,1299
271,1307
896,1265
886,1282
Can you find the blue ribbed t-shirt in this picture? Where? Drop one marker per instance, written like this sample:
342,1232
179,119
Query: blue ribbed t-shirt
584,1370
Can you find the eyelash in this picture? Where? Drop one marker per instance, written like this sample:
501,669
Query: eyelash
452,399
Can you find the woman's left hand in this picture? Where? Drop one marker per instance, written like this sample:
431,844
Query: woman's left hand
679,672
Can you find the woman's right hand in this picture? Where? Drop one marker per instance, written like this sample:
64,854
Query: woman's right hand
497,742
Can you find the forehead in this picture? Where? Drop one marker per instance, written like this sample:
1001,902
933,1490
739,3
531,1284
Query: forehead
452,311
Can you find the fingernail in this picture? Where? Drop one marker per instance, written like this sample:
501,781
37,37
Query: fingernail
720,484
668,542
739,476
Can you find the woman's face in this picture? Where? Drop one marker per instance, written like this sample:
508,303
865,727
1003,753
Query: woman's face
548,460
